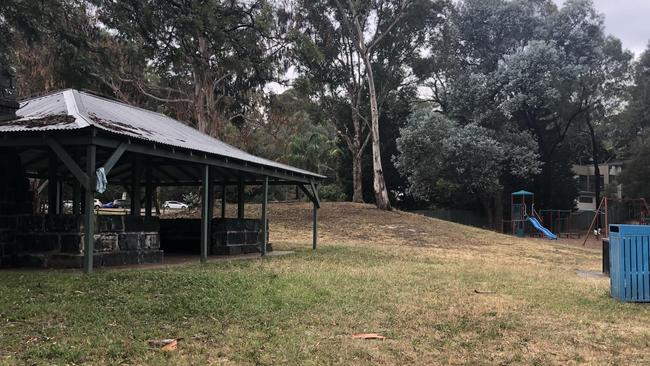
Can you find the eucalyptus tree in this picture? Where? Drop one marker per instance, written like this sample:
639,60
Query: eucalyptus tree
345,46
53,44
207,58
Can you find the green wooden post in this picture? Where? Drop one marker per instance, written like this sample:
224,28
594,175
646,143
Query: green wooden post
136,192
59,197
315,227
223,201
76,198
204,213
148,191
240,198
265,201
52,185
211,175
89,212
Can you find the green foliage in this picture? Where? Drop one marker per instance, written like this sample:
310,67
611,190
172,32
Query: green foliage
441,157
331,193
531,66
315,152
629,128
635,176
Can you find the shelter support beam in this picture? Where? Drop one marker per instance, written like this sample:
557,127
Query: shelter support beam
265,201
52,185
114,158
76,198
316,207
223,201
136,189
313,197
83,178
59,197
205,221
148,191
211,175
89,212
240,197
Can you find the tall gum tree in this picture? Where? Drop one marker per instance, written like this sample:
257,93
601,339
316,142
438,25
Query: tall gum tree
376,35
207,58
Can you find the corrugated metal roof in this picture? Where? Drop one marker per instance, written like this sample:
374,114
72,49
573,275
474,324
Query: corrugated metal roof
72,109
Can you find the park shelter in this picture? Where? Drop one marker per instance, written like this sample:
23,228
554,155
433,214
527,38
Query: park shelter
78,138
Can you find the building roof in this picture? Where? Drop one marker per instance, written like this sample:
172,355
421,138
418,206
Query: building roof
74,110
522,193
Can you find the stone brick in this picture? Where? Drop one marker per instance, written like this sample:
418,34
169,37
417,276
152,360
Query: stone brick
151,241
219,237
236,237
71,243
66,261
247,249
28,260
61,223
253,237
7,222
233,250
118,258
253,225
129,241
9,249
151,256
7,236
29,223
218,224
106,242
38,243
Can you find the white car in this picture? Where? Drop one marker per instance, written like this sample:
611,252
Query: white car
175,205
67,204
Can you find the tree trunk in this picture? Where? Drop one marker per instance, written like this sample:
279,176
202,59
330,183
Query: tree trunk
357,177
379,184
356,147
488,208
498,211
594,157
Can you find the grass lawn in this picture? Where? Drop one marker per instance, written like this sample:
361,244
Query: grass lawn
410,278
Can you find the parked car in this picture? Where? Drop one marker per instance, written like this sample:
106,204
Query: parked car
119,203
175,205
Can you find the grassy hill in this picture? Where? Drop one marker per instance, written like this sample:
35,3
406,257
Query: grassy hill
441,293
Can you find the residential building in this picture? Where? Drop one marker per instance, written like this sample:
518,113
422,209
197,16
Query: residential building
609,183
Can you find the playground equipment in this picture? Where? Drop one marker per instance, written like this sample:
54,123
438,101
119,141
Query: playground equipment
558,221
617,210
519,215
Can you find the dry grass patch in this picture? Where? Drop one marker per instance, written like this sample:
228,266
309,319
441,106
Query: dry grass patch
408,277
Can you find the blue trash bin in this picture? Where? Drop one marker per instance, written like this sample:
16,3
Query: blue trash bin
629,257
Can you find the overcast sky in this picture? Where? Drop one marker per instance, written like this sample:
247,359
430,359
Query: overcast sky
628,20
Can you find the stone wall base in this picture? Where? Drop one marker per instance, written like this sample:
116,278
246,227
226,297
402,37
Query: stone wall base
229,236
57,241
76,260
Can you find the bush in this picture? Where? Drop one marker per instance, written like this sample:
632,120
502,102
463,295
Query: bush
331,192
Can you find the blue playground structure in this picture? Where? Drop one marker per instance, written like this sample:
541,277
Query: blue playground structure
519,215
